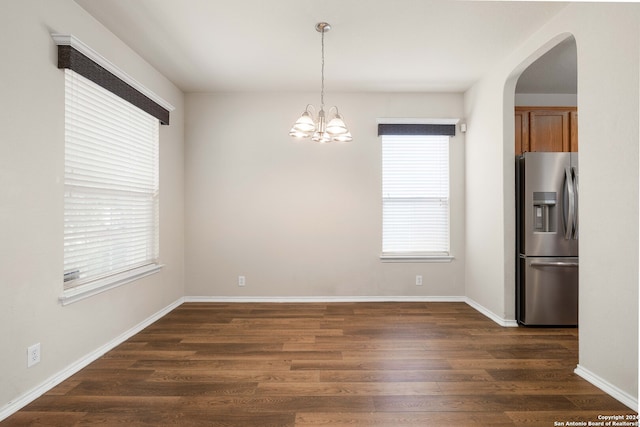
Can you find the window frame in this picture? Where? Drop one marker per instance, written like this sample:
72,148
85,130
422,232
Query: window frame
77,57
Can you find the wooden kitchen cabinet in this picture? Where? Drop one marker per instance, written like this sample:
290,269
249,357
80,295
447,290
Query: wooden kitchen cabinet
522,131
546,129
573,133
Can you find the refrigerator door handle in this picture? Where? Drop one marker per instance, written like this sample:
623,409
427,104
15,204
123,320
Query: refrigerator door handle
553,264
574,172
569,211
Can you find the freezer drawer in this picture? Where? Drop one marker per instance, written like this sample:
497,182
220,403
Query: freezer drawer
548,291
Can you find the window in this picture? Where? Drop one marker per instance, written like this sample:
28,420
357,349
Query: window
111,221
415,191
111,184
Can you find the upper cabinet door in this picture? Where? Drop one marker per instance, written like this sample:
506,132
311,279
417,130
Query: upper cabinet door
549,130
553,129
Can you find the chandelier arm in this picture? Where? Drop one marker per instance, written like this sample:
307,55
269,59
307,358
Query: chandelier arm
311,109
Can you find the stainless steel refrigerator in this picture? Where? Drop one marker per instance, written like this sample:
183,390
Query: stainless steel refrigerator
547,239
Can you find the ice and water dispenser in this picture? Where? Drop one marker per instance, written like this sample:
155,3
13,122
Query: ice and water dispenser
544,214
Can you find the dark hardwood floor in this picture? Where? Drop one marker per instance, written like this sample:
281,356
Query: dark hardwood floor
356,364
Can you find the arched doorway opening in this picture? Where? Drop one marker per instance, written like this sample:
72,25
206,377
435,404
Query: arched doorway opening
541,102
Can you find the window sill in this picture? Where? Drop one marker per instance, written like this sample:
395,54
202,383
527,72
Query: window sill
415,258
80,292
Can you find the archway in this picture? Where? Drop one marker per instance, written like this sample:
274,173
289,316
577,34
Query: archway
540,73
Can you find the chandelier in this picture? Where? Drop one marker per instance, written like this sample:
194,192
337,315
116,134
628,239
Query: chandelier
319,129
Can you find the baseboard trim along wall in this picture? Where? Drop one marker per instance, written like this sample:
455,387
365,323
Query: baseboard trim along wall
23,400
607,387
491,315
488,313
324,299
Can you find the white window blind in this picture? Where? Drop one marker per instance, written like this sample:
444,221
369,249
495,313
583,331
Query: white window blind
415,195
111,184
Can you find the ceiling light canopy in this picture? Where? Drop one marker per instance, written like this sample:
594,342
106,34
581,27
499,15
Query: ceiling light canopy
318,128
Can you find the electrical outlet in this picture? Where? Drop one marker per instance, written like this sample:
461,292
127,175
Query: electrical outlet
418,280
241,281
33,355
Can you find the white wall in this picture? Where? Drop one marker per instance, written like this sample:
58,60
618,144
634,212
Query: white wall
300,219
31,200
607,37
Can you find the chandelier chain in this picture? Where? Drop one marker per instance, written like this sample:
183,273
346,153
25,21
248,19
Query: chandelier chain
322,73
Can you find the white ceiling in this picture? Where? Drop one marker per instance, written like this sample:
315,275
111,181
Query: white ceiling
381,45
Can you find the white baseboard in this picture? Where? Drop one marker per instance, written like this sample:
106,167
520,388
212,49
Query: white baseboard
499,320
28,397
607,387
324,299
491,315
